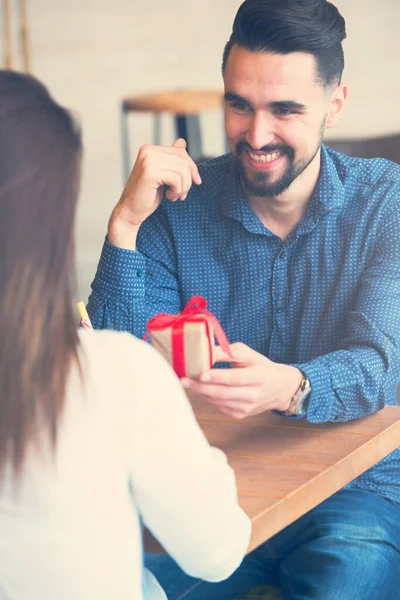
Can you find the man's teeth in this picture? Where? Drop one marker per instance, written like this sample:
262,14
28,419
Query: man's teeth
265,157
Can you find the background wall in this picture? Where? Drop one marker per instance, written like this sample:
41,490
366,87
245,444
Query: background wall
92,52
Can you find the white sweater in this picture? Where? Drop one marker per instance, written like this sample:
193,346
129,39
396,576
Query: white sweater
128,445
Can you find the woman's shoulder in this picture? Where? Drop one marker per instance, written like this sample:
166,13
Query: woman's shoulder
118,366
121,351
106,339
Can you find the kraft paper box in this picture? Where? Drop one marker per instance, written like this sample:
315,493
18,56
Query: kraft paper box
198,347
186,340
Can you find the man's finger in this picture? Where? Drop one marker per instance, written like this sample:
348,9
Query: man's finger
194,172
174,182
221,356
244,353
231,377
215,393
179,143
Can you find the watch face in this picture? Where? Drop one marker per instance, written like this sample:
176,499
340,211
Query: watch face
298,401
301,396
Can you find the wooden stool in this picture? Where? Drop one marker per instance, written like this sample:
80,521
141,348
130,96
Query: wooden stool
186,107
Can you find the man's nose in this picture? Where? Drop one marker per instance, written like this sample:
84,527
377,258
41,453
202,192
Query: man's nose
260,132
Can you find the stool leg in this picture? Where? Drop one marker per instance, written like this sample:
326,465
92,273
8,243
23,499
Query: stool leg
188,128
126,160
181,128
194,135
157,129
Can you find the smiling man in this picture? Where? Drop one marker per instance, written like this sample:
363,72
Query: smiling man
277,107
274,139
297,250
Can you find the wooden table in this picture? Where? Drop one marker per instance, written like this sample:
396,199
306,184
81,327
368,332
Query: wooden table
286,467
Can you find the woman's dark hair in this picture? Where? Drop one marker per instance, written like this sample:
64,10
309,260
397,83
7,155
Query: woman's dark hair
285,26
40,150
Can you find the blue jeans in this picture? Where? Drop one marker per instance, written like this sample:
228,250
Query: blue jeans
347,548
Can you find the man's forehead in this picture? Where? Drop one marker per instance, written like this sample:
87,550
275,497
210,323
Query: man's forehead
294,70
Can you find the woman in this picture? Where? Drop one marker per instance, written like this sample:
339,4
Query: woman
95,430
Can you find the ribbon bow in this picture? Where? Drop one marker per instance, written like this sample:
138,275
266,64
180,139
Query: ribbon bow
195,310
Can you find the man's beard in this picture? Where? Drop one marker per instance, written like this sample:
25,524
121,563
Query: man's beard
259,183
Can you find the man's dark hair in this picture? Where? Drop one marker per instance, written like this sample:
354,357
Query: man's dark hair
285,26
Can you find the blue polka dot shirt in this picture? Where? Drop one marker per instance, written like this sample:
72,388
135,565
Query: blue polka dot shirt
327,299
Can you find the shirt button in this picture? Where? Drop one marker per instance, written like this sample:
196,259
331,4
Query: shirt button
282,255
140,273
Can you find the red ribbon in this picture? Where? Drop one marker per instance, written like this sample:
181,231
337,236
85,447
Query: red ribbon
195,310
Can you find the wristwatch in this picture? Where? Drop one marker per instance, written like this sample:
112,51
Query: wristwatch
297,404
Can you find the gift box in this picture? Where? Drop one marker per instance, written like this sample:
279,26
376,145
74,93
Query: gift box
187,340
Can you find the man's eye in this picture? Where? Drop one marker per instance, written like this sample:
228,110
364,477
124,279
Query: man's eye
240,106
285,112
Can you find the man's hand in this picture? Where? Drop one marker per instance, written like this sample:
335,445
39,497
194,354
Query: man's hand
254,384
155,167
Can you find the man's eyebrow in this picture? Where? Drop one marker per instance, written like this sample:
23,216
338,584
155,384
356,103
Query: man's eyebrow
275,105
232,97
287,105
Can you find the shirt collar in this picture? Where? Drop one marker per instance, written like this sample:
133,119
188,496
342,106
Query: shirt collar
234,204
328,194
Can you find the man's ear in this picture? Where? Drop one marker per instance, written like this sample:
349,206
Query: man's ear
336,105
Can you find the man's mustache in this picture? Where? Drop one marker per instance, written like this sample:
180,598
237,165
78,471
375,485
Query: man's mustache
241,146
